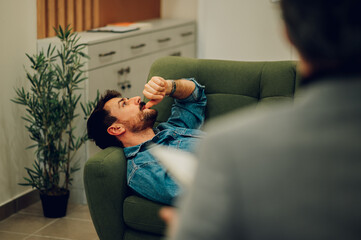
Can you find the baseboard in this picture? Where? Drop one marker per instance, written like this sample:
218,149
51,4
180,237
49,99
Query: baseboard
19,203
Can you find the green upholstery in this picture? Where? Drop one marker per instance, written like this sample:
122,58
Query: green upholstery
137,218
116,211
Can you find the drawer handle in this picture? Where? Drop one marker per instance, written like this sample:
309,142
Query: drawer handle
186,34
107,54
164,40
138,46
124,70
176,54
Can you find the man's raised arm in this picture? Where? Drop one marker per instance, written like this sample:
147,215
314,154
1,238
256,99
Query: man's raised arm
158,87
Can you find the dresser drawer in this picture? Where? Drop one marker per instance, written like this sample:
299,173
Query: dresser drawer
164,39
105,53
128,77
136,46
103,79
173,37
185,34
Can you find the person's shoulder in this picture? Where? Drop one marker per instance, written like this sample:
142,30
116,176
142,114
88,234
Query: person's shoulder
164,126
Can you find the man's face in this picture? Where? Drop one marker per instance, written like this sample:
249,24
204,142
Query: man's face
131,113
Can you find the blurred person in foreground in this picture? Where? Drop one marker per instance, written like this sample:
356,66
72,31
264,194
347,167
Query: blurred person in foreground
293,172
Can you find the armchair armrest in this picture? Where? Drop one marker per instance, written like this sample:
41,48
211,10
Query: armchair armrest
106,189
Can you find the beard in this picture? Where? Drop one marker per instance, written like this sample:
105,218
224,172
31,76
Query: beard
145,119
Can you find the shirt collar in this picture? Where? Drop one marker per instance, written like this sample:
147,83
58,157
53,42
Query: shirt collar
133,150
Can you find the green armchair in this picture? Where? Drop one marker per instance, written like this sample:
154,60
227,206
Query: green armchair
116,211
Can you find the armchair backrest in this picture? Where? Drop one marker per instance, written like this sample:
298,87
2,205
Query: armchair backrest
229,85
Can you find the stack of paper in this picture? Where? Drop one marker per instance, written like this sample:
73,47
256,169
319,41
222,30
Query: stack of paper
181,165
122,27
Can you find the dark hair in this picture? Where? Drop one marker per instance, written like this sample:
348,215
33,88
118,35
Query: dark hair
100,120
326,32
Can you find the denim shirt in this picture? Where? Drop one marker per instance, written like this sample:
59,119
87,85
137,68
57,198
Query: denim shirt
144,174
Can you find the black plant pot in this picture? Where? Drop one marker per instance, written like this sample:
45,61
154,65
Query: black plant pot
54,206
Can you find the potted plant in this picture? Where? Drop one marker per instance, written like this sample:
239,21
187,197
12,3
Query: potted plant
52,105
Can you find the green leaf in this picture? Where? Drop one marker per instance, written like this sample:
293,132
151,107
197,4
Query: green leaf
67,31
25,184
31,59
31,146
61,31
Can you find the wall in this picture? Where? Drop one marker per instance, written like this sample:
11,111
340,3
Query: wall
18,36
247,30
186,9
87,14
111,11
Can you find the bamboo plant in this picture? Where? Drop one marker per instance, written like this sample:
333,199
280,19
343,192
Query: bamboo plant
52,105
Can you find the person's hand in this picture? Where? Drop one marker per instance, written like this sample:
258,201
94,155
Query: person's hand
155,91
169,215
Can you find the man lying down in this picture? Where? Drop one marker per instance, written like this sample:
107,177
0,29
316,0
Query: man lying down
128,123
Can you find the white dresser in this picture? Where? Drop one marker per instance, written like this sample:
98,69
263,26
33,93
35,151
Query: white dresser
121,61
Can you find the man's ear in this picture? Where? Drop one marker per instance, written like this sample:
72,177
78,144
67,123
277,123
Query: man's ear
116,129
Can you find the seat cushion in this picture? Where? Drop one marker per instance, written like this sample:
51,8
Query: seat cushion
143,215
138,235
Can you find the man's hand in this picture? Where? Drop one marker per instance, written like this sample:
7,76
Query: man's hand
155,90
170,217
158,87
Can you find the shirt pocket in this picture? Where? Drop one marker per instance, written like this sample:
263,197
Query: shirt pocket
174,140
187,143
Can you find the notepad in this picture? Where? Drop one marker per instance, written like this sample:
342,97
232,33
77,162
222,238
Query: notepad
181,165
122,27
115,29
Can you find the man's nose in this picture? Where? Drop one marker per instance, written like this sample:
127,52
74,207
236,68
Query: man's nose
135,100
